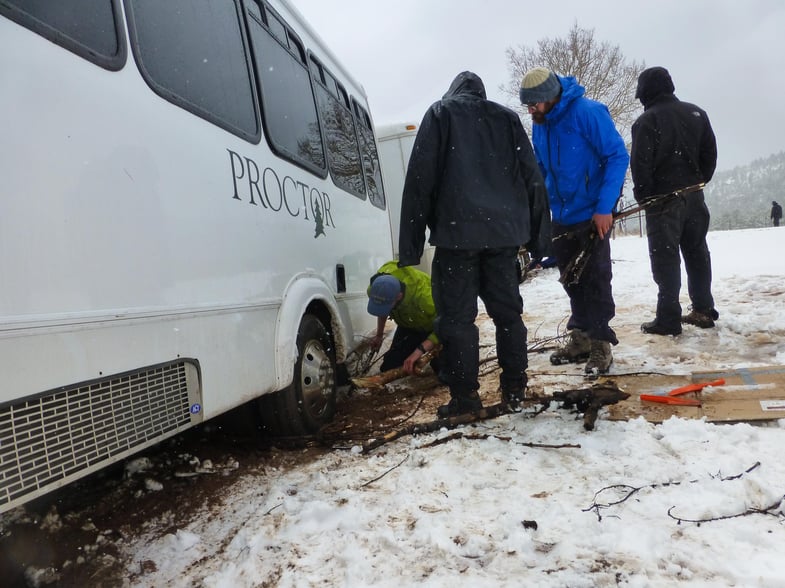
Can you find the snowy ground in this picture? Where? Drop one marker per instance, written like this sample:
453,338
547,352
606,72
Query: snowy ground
489,510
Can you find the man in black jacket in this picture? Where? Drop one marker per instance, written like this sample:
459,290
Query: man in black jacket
673,147
474,182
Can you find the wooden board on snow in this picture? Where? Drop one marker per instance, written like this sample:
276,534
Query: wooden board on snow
749,394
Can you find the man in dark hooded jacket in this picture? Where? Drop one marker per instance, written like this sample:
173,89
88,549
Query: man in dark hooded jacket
473,181
673,147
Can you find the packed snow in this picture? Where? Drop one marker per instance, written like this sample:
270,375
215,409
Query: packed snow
617,505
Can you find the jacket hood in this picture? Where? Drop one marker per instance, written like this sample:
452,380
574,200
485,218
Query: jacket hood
571,91
466,83
653,83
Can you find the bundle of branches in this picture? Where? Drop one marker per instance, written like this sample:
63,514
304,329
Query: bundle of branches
590,400
381,379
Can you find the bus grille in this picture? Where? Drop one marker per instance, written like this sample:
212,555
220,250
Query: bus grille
51,439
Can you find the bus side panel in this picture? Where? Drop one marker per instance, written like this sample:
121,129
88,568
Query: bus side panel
143,215
135,234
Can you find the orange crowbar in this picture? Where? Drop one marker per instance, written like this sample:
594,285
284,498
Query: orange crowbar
673,396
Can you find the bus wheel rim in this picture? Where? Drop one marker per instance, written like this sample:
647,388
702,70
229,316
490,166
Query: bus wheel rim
316,378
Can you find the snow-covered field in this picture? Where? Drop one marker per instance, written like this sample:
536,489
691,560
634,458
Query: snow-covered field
489,509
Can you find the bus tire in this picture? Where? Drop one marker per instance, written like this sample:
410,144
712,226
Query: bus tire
309,402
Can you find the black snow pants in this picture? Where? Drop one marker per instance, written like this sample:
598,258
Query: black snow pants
680,225
405,341
591,299
458,278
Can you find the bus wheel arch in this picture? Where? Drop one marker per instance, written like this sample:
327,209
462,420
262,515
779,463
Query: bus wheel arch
308,403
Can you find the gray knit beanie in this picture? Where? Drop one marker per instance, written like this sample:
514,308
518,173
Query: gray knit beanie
539,85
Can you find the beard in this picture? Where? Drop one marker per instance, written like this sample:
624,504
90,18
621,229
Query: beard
538,115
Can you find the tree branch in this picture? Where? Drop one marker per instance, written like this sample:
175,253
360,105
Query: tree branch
632,490
377,478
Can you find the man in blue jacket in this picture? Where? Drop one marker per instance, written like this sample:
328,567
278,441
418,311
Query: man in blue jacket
583,160
473,180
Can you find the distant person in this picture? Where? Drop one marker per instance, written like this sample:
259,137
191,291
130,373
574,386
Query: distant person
473,181
673,146
583,159
404,295
776,213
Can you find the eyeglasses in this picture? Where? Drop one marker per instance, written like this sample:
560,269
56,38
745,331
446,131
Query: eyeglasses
532,104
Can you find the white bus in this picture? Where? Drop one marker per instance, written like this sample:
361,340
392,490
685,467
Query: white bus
191,207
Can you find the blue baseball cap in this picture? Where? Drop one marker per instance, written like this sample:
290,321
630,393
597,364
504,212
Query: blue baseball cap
381,297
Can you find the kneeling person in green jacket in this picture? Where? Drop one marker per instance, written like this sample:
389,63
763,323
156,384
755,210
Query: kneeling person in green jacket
403,294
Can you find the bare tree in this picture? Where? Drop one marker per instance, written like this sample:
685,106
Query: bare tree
598,66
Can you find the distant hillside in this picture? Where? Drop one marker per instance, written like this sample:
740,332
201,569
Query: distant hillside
741,198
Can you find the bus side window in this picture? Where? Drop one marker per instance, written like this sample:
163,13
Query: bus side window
91,29
343,153
191,52
371,167
288,104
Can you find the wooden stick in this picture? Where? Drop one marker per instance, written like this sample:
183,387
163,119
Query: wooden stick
380,380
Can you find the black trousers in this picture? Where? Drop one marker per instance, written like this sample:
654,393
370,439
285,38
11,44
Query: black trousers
591,299
458,278
404,343
679,226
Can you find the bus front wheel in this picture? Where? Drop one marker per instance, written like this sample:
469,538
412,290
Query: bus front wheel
309,402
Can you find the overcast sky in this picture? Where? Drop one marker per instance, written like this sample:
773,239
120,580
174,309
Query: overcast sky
727,56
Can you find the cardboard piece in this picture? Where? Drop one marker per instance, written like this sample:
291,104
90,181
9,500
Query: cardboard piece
749,394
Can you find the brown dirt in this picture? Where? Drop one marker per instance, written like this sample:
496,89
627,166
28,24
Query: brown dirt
69,537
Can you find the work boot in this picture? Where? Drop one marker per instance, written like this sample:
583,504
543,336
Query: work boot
576,350
467,402
600,358
699,319
513,396
657,328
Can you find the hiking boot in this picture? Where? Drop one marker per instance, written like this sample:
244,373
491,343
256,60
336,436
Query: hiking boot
600,358
513,398
462,404
576,350
655,328
699,319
